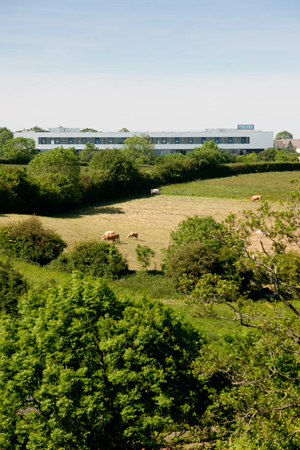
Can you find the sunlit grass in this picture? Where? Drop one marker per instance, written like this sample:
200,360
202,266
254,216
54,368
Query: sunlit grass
273,186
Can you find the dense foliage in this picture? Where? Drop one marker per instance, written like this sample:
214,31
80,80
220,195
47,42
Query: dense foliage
98,259
197,247
261,366
27,239
12,287
56,173
20,150
84,370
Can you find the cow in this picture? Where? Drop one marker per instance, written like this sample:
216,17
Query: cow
107,232
114,237
133,234
255,197
155,192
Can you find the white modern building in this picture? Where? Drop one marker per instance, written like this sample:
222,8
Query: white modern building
241,140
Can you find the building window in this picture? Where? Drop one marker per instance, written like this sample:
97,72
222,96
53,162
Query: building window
97,140
164,140
70,140
57,140
43,141
230,140
244,140
110,141
190,140
177,140
203,140
79,141
217,140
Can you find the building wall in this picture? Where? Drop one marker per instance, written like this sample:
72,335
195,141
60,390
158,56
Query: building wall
232,140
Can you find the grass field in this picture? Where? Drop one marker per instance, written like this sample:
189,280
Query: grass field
272,186
155,217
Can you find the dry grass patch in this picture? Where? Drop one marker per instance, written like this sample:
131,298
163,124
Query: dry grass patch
153,218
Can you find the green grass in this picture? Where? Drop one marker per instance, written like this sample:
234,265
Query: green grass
273,186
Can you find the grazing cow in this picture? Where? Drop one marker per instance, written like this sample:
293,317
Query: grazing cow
155,192
107,232
133,234
256,197
114,237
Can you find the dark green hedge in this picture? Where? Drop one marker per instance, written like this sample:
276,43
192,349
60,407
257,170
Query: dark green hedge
18,194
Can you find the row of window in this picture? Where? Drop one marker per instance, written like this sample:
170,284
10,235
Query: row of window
157,141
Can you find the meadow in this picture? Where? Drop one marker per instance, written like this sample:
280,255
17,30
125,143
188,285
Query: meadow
155,217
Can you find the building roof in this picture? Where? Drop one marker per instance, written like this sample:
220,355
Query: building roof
282,143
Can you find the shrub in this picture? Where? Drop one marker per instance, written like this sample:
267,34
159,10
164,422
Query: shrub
29,240
98,259
197,247
12,286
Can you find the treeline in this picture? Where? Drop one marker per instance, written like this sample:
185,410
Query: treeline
54,181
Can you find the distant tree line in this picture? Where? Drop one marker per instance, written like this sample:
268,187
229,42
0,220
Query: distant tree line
54,181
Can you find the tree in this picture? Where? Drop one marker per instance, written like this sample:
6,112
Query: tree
119,165
210,153
86,130
268,154
260,365
5,135
144,255
82,370
98,259
28,240
88,152
197,247
12,287
20,150
140,148
124,130
57,174
283,135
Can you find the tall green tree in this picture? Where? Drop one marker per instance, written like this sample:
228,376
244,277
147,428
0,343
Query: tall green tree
261,366
209,153
84,370
284,135
56,172
20,150
5,135
88,152
140,147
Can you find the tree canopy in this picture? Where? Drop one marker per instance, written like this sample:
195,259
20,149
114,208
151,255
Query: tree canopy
20,150
259,366
82,370
284,135
140,147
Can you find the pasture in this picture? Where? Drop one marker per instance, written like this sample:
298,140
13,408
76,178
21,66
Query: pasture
154,217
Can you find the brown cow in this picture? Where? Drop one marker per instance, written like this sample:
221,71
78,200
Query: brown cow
133,234
114,237
107,232
255,197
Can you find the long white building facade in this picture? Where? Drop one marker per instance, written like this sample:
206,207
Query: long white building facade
241,140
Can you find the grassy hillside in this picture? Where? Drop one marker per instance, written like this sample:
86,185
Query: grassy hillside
273,186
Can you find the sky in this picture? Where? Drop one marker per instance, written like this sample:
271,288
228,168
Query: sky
159,65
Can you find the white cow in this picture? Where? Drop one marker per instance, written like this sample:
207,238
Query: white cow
155,192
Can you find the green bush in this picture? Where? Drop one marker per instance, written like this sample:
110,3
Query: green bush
29,240
197,247
98,259
12,287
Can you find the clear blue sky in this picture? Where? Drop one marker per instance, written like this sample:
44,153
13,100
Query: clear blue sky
177,65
